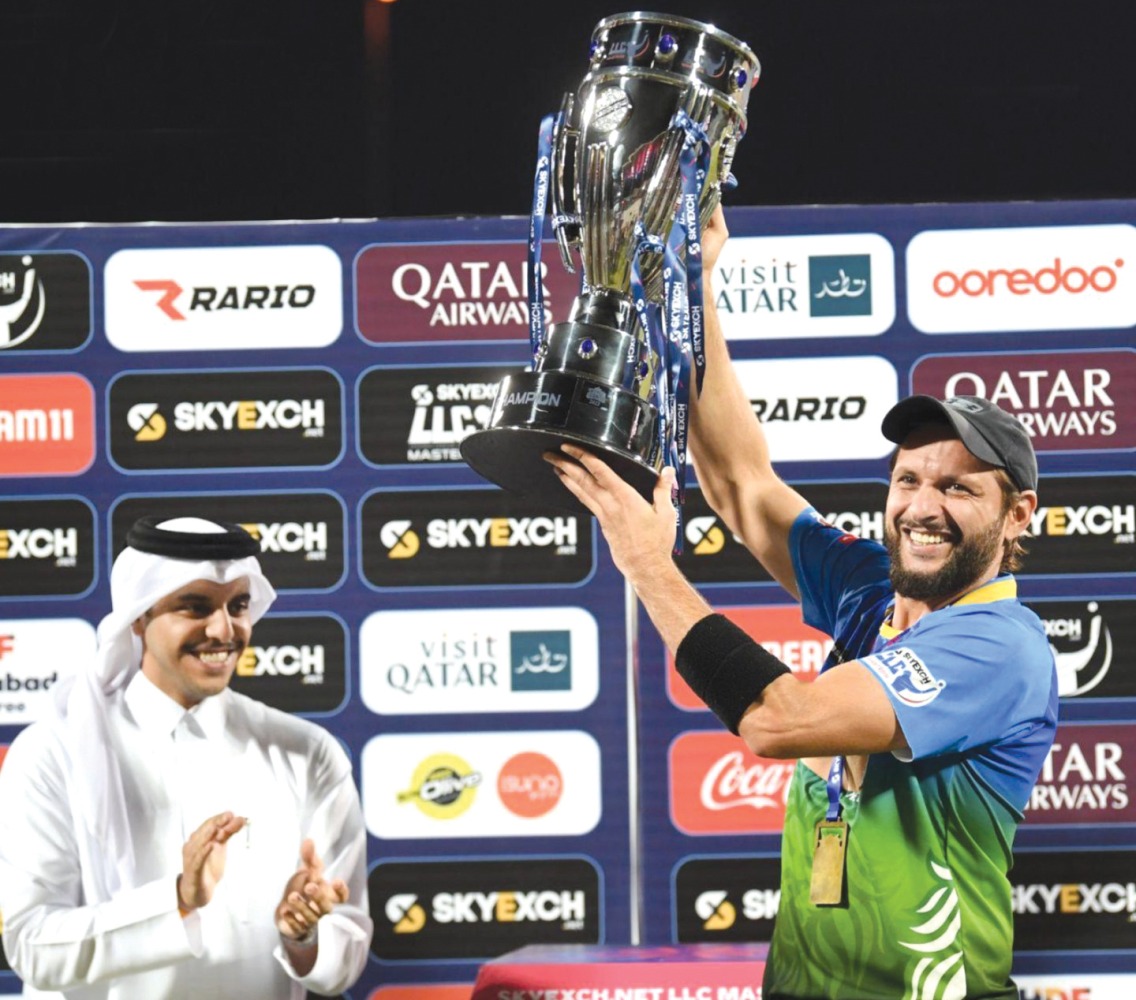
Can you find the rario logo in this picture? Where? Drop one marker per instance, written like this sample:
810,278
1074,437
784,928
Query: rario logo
47,425
821,409
1029,278
1066,400
717,785
448,292
223,298
44,302
805,286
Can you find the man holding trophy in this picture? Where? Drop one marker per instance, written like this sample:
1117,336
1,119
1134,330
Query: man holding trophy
921,739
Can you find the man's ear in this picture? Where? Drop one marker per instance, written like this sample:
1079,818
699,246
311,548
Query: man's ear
1021,512
138,626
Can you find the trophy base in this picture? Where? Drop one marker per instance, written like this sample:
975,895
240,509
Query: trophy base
536,412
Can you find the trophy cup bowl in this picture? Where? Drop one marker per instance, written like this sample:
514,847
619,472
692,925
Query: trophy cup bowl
615,174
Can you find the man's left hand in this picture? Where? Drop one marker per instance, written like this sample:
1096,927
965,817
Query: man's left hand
641,535
307,896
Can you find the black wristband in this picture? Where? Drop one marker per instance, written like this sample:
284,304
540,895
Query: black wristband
725,667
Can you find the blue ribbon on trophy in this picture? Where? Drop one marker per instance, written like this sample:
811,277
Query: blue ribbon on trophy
630,169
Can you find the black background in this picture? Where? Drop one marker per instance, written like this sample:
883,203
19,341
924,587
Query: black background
119,110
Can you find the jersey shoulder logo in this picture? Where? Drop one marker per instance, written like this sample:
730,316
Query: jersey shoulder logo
907,675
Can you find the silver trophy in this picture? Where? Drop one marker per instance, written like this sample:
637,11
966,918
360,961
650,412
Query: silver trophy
633,167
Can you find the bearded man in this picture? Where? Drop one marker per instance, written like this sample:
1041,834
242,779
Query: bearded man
920,741
164,837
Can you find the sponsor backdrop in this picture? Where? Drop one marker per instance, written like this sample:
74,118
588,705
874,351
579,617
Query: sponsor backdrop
472,650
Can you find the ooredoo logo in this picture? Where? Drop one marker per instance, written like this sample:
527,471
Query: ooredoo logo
724,899
34,655
423,786
821,409
459,910
1067,400
717,785
805,286
802,648
1085,777
296,663
258,418
419,538
530,784
45,302
47,547
447,292
427,662
302,535
422,414
1029,278
223,298
47,425
1094,646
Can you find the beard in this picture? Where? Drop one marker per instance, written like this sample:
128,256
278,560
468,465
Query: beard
966,564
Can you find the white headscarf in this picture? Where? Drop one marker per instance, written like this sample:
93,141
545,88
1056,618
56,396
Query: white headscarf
138,581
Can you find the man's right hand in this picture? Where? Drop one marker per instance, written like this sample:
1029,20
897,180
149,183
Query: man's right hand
203,860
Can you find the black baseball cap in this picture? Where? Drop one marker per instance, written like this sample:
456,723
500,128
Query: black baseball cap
987,431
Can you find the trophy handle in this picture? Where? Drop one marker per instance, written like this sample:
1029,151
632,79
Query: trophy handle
565,211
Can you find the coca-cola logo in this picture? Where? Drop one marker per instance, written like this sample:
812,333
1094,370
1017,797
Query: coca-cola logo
735,781
718,786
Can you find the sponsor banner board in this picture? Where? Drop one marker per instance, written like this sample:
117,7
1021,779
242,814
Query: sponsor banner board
421,415
719,786
1022,278
45,302
47,425
822,409
458,538
35,653
775,287
1094,646
1081,986
466,909
1067,400
1085,777
218,420
1065,900
726,899
507,784
711,553
1083,524
445,292
47,547
223,298
778,627
302,535
442,661
296,663
423,991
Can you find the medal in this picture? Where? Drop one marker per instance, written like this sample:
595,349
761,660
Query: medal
826,887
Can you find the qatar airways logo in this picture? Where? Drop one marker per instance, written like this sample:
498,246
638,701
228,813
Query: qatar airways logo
1029,278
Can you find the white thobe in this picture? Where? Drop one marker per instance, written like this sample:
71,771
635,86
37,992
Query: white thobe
289,777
